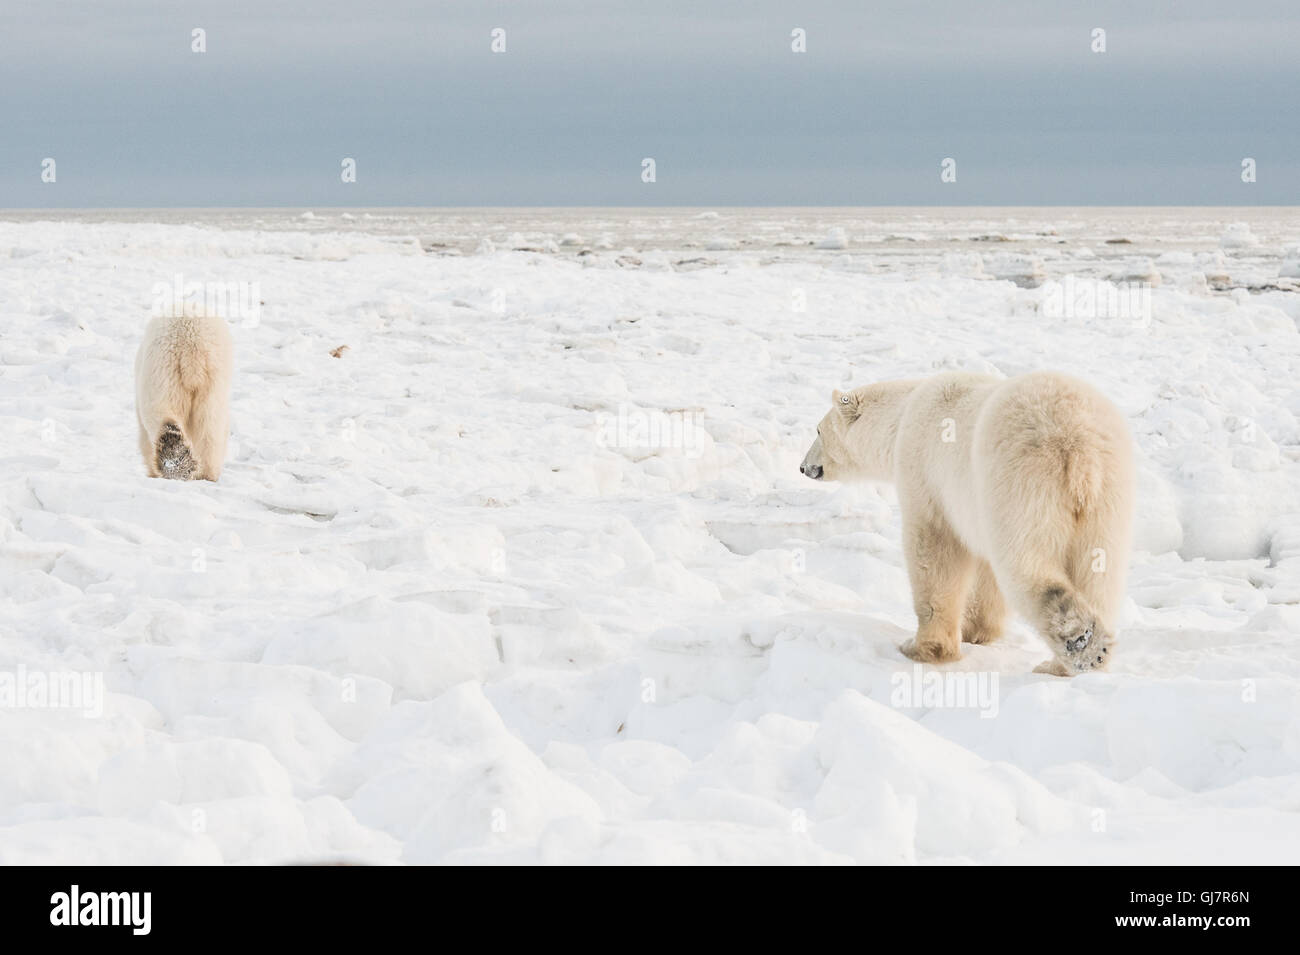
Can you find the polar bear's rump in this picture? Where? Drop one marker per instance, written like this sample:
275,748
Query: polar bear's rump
182,381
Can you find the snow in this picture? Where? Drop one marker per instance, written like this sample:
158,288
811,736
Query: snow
1136,271
1290,267
836,238
1237,236
529,574
1024,270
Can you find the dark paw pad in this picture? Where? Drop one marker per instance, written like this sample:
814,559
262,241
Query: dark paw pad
173,455
1079,642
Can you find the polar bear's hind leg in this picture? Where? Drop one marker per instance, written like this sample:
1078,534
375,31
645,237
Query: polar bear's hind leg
986,608
1075,632
209,429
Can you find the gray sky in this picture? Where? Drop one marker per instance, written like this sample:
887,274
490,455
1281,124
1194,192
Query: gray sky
709,88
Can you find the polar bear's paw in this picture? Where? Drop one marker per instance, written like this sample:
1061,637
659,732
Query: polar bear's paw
1096,657
1089,649
928,652
1073,632
173,454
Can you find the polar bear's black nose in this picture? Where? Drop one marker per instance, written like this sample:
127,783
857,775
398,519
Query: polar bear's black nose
814,471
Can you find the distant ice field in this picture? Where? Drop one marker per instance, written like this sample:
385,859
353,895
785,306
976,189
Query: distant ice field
528,573
913,241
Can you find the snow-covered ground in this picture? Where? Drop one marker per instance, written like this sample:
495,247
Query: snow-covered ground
528,572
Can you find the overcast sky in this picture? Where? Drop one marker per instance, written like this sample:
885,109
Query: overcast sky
709,88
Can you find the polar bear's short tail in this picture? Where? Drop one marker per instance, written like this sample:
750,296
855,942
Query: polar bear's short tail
172,454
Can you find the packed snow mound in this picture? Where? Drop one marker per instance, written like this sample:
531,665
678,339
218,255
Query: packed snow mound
1290,267
1136,271
1025,271
1214,265
963,264
836,238
1238,236
882,768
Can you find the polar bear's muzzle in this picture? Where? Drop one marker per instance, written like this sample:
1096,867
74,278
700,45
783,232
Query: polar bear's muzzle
812,461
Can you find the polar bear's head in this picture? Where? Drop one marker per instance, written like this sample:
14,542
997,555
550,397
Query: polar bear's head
830,458
855,441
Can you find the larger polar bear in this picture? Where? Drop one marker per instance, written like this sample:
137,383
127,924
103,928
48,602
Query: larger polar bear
1012,491
182,395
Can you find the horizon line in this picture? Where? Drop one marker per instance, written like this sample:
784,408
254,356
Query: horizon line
704,206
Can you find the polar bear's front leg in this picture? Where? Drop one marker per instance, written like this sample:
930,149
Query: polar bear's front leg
940,568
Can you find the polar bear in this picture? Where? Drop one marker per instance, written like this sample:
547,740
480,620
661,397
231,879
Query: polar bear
182,395
1014,491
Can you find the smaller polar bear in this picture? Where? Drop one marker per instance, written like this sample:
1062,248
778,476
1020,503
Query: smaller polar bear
1012,491
182,395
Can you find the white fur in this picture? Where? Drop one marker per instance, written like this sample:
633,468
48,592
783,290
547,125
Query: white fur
1018,490
182,376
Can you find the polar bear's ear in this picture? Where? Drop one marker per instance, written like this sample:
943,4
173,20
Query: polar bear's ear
846,402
